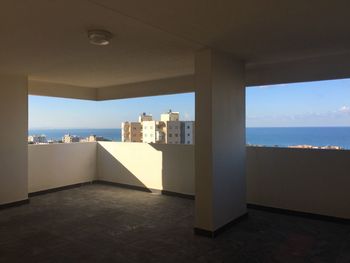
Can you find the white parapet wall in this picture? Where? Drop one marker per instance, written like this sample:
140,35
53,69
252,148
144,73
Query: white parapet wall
57,165
312,181
154,166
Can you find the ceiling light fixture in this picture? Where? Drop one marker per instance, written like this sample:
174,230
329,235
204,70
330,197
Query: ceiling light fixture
99,37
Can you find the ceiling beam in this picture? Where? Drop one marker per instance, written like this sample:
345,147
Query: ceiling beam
173,85
43,88
335,66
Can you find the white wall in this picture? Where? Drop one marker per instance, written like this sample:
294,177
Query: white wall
162,167
13,134
220,139
178,168
57,165
314,181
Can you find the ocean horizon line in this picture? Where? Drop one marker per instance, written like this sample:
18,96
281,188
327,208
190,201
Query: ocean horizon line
73,128
269,136
299,127
253,127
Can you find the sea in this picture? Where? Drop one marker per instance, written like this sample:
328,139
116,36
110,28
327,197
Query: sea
278,137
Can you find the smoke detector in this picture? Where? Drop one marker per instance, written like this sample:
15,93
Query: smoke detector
100,37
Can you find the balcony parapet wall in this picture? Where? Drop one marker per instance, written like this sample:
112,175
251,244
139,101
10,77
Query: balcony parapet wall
311,181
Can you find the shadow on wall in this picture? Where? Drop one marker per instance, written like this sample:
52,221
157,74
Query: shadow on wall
169,168
177,168
110,169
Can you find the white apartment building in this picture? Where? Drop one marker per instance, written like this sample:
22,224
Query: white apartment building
187,132
169,130
145,117
131,132
70,138
92,138
37,139
170,116
153,132
149,130
171,127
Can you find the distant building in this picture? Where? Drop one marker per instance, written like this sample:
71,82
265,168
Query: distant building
187,132
170,116
149,130
131,132
169,130
172,131
160,136
37,139
328,147
153,132
145,117
70,138
93,138
171,127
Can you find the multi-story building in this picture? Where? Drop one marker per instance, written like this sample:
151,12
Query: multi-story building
149,130
171,127
145,117
169,130
172,132
125,132
170,116
37,139
93,138
187,132
153,132
70,138
131,132
160,136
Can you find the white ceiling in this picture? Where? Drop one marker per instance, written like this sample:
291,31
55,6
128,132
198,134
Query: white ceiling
47,40
254,30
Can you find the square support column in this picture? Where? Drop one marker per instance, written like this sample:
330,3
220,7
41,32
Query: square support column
220,150
13,134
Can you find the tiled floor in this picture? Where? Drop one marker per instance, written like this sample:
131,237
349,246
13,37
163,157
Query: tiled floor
98,223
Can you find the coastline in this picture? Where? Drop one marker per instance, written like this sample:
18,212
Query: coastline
296,137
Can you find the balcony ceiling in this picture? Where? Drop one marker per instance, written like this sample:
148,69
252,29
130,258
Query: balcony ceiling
157,38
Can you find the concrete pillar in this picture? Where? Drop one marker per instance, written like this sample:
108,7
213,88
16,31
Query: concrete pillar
13,140
220,141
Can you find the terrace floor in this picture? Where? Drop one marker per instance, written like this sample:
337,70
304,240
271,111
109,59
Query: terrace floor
98,223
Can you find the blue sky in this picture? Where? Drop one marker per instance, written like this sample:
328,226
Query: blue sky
321,103
308,104
51,113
